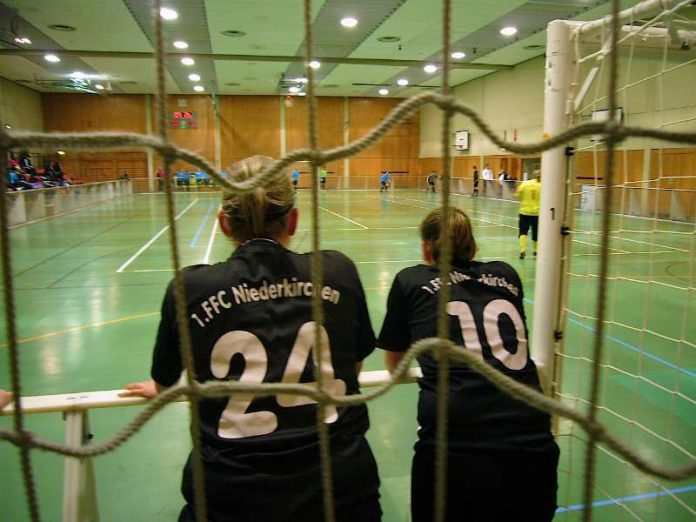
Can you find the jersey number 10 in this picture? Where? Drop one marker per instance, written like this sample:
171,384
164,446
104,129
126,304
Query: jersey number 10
235,422
491,314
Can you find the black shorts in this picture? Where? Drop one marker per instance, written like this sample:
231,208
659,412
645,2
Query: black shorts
529,221
294,182
488,486
287,490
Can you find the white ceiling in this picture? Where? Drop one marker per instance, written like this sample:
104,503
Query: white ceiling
106,31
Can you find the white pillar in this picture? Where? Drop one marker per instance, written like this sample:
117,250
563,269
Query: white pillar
346,141
283,130
217,133
150,154
548,270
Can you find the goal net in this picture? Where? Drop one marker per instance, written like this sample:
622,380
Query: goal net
638,213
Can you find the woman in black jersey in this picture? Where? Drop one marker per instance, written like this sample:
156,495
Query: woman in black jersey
502,457
250,320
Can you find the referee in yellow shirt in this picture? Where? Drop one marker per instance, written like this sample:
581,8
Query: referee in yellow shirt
529,194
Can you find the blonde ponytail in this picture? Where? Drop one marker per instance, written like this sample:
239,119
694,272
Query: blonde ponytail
263,211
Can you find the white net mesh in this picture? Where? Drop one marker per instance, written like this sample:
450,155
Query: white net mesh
648,391
646,403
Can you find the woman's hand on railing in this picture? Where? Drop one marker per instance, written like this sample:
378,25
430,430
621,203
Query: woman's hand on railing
5,398
146,389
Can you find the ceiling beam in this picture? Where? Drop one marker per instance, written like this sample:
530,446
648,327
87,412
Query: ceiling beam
250,58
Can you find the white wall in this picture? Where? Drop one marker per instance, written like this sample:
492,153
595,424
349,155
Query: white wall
507,100
20,107
513,99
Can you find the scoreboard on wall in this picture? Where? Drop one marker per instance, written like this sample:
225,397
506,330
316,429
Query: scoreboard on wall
183,120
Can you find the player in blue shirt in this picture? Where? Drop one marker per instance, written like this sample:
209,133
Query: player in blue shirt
295,178
384,181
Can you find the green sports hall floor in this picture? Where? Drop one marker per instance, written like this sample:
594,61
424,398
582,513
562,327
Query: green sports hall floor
84,326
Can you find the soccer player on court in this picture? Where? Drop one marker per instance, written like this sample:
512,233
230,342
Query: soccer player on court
432,177
323,173
529,194
502,457
251,321
384,181
476,182
295,178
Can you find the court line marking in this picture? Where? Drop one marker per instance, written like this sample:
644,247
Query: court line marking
344,217
81,327
146,245
626,345
197,235
631,498
206,259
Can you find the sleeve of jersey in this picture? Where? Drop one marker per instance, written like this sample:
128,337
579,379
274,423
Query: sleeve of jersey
166,358
395,335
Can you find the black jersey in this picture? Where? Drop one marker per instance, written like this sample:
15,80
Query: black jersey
487,317
250,320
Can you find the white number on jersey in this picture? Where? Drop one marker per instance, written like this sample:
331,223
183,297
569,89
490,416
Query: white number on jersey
491,314
235,422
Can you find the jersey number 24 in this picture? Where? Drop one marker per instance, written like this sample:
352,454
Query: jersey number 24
235,422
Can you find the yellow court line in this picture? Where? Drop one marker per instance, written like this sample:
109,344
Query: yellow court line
80,328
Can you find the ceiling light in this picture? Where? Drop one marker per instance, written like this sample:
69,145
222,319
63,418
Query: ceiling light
180,44
301,79
22,40
188,61
99,86
294,89
78,75
51,58
314,64
168,14
383,91
7,126
62,27
389,39
458,55
349,21
402,81
508,31
195,77
198,88
60,152
430,68
233,33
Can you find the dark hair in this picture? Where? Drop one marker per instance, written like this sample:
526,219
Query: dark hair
263,211
461,233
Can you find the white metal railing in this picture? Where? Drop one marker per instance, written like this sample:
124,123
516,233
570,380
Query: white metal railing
26,206
79,479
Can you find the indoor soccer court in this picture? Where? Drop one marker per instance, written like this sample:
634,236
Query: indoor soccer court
89,287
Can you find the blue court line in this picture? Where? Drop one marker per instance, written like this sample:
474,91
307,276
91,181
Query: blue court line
629,346
197,235
632,498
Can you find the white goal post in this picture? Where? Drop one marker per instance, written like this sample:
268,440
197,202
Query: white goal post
563,94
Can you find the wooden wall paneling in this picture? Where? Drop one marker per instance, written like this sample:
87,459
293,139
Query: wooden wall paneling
85,112
296,132
464,166
250,125
200,140
329,123
394,149
675,169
